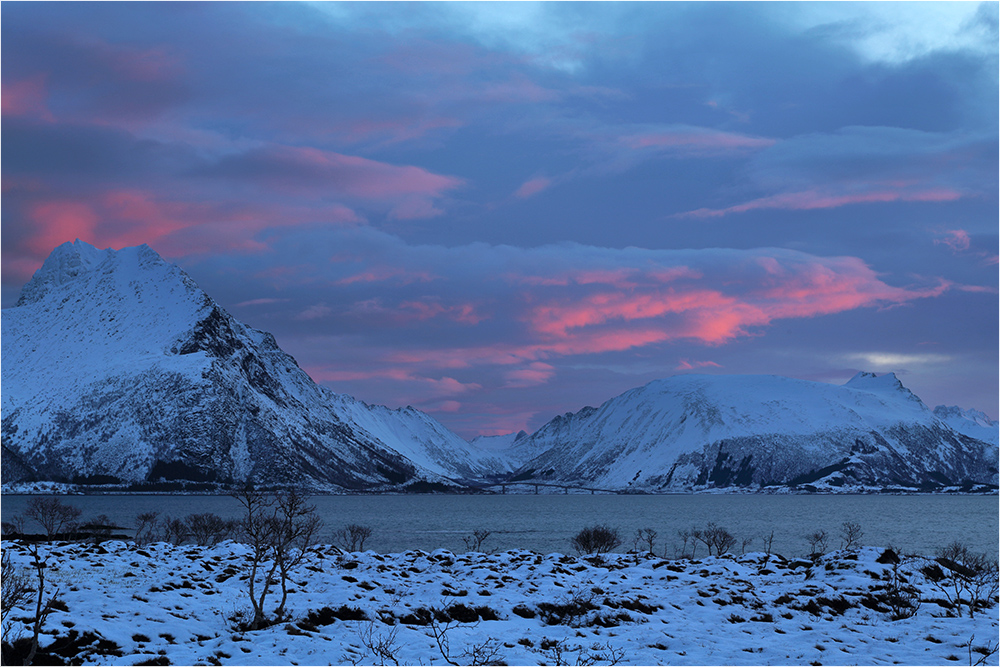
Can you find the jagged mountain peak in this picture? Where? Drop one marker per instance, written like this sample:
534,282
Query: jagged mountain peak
120,368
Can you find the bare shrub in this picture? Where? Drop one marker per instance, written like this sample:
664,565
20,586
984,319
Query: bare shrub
850,534
44,605
817,542
382,645
174,531
54,516
352,537
717,538
599,539
17,589
768,541
966,578
209,529
99,528
145,527
475,541
689,536
646,538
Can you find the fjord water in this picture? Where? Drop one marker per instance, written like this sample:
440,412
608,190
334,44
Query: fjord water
919,524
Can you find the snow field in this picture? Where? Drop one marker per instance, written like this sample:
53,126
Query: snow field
177,605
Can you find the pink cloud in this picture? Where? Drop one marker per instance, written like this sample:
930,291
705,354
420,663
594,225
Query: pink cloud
534,374
121,218
424,310
816,199
687,365
956,239
56,222
385,273
26,97
695,140
532,187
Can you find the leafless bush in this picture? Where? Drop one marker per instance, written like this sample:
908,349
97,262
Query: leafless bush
982,653
174,531
17,589
209,529
54,516
817,542
692,536
382,645
352,537
484,653
99,528
646,538
43,605
965,578
559,652
850,534
600,539
279,531
744,543
768,541
475,541
145,527
717,538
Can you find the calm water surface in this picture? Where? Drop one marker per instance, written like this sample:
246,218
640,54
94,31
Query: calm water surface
545,523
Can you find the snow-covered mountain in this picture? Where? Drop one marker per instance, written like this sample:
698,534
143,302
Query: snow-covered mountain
117,368
703,431
972,423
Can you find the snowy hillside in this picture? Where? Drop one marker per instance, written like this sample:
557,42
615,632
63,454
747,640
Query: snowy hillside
119,369
972,423
701,431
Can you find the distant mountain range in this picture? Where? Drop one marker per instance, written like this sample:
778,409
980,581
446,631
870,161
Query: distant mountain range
119,370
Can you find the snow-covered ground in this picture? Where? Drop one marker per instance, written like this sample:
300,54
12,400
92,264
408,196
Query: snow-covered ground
165,603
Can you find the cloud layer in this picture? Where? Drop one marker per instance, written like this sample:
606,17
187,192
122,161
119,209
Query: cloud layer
502,212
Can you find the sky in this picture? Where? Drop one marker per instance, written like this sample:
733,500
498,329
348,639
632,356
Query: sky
502,212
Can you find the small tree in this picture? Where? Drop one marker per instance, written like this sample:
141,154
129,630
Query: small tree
646,538
475,541
278,530
817,543
352,537
54,516
16,591
145,527
209,529
716,537
596,540
850,534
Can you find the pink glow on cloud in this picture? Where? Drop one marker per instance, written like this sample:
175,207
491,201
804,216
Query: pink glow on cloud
395,130
384,273
429,387
688,365
355,175
815,199
26,97
696,140
532,187
121,218
59,221
424,310
956,239
536,373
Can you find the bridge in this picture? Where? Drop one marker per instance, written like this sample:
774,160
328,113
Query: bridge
565,487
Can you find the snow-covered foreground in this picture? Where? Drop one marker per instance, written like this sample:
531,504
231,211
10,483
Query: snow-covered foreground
165,603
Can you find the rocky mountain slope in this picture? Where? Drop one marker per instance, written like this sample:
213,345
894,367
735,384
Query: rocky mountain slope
118,369
699,432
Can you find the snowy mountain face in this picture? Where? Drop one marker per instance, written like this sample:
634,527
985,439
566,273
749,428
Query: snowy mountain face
119,369
698,432
972,423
